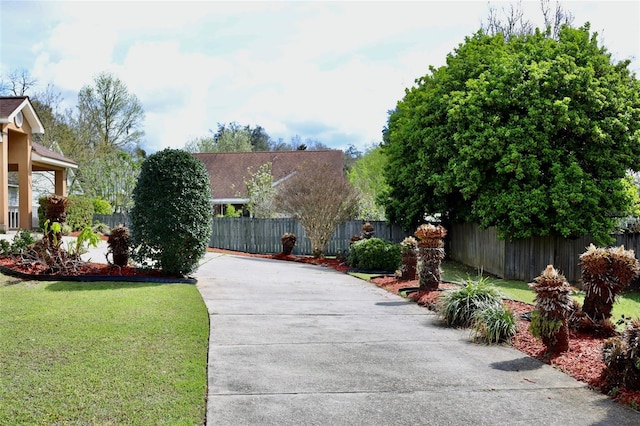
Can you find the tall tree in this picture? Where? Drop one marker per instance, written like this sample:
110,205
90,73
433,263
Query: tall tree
233,137
201,144
18,82
512,21
351,155
112,176
531,135
320,198
261,193
108,115
367,177
260,140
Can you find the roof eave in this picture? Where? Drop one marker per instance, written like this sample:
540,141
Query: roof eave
35,157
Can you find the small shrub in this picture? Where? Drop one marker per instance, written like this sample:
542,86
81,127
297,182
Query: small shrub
20,243
375,254
87,237
101,206
101,228
494,324
457,307
80,212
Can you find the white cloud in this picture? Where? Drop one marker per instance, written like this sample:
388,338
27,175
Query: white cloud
333,69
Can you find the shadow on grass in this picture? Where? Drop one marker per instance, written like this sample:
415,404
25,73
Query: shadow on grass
100,285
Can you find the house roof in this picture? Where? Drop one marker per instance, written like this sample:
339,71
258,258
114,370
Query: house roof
46,156
10,106
229,170
43,158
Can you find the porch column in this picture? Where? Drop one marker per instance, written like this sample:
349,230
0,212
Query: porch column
4,181
61,182
23,157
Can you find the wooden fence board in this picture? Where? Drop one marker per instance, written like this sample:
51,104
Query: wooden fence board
523,259
263,235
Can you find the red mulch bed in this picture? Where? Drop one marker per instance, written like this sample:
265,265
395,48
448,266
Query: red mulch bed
583,360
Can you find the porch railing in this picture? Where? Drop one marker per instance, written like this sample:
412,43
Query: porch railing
14,217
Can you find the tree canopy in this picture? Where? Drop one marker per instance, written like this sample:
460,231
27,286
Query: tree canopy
111,116
533,135
367,177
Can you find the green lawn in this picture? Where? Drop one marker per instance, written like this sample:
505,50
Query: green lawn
102,353
628,304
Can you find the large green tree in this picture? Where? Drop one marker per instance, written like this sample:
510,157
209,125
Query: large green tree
533,135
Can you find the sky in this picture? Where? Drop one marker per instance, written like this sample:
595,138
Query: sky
325,71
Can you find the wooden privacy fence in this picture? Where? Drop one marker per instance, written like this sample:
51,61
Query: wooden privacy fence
112,220
523,259
263,235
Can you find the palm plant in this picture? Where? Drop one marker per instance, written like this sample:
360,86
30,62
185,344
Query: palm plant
549,320
430,255
409,258
622,358
605,274
118,243
288,241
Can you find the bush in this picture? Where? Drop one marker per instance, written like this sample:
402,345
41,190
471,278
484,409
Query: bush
494,324
42,211
172,212
20,243
80,212
458,307
375,254
621,356
101,206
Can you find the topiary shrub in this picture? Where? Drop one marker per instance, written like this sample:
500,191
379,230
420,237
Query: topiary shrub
80,212
375,254
101,206
172,212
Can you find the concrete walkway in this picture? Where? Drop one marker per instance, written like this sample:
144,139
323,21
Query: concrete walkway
294,344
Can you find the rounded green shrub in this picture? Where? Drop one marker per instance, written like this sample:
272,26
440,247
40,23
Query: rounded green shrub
172,212
101,206
80,212
375,254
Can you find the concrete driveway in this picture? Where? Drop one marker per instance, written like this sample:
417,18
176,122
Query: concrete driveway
295,344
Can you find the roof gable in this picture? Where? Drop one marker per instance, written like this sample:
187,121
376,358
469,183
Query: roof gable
229,170
11,105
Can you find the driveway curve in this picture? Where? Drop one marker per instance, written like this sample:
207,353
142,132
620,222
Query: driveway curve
296,344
